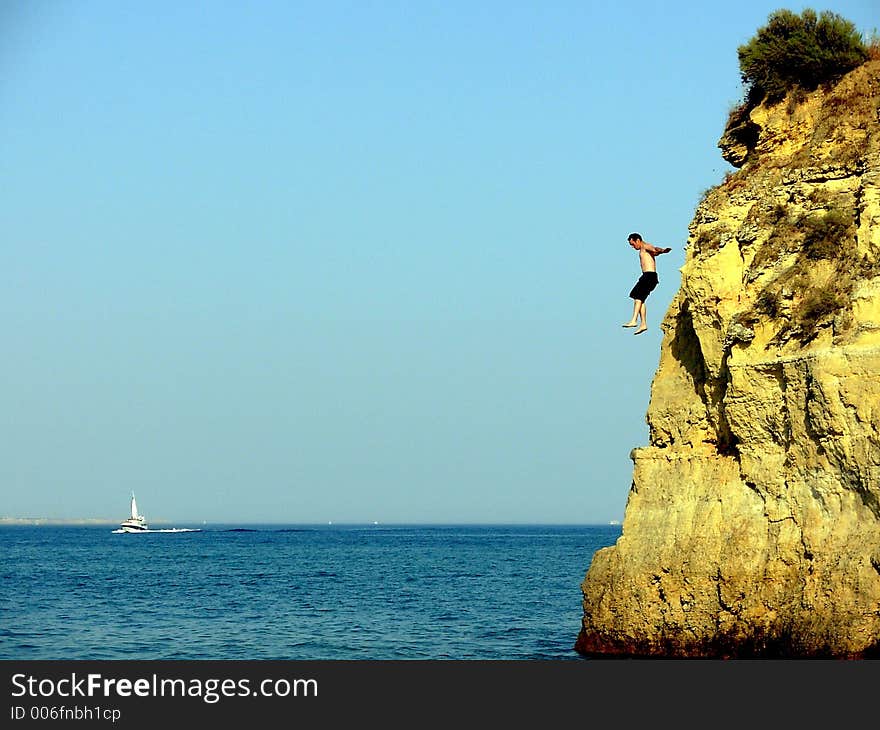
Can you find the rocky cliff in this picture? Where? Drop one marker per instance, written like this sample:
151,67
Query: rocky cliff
752,527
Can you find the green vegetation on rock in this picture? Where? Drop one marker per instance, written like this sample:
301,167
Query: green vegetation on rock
798,51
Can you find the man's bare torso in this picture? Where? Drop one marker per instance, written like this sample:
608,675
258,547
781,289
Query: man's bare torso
646,260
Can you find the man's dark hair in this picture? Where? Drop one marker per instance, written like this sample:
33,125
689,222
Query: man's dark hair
634,236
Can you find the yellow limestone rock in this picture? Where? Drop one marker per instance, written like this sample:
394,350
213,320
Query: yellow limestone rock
752,526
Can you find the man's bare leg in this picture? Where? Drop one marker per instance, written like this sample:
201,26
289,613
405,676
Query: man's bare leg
643,313
634,321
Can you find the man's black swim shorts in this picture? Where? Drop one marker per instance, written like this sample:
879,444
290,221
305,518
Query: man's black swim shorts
644,286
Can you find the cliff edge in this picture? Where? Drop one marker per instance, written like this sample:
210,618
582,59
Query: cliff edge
752,527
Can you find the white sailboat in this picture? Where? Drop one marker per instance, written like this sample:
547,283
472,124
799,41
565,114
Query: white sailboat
135,523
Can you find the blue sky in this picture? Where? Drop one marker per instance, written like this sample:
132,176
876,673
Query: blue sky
345,261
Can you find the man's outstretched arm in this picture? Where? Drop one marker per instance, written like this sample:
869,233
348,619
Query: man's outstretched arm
652,249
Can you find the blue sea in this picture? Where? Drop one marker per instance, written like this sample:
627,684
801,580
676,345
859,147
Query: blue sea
295,592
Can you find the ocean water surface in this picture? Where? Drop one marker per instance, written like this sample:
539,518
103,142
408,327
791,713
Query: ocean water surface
296,592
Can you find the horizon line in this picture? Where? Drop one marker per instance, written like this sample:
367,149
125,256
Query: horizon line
38,521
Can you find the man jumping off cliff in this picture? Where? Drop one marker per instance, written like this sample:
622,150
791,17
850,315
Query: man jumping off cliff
647,281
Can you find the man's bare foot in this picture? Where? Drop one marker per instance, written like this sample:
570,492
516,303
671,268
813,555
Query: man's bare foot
640,330
630,324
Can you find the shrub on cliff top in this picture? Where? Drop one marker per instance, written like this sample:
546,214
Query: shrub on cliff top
798,51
